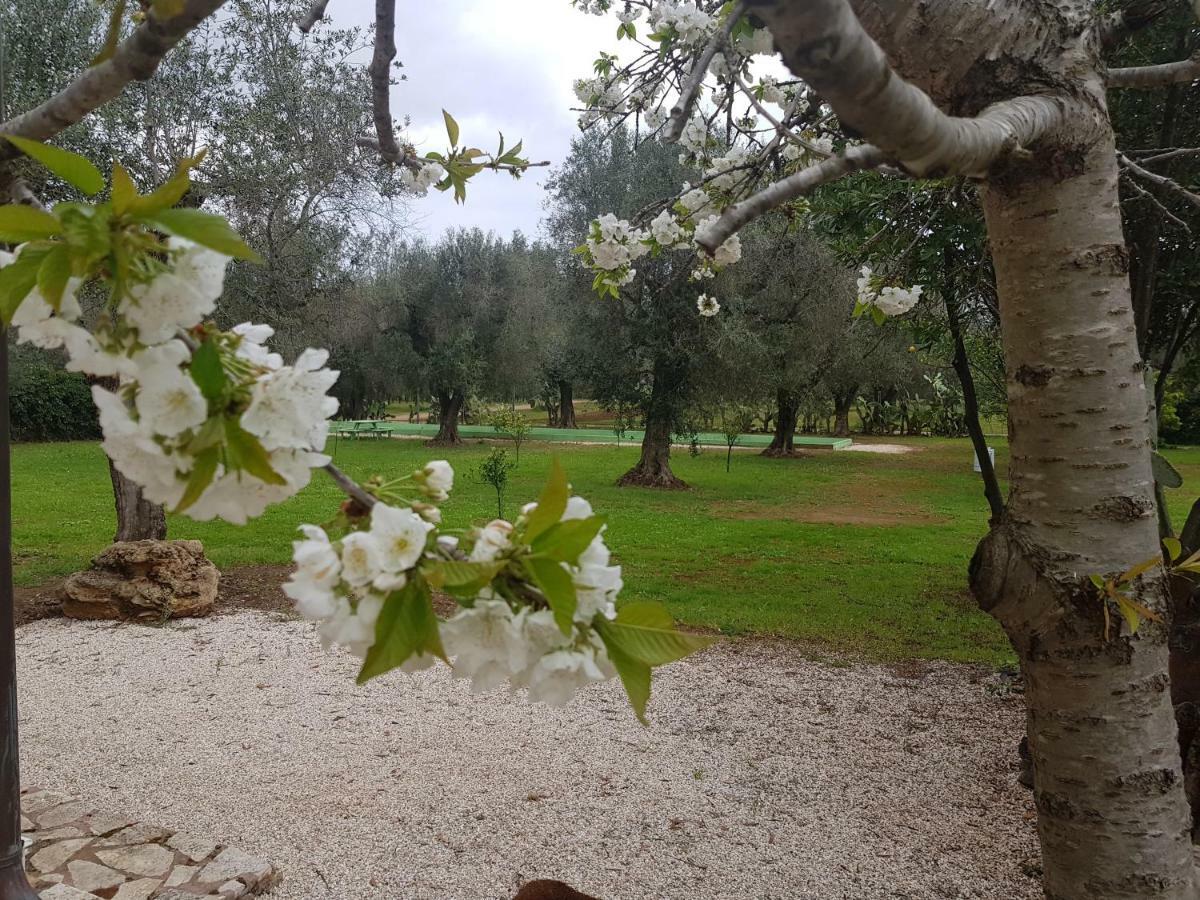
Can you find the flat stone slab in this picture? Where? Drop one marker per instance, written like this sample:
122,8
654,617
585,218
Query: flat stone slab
81,853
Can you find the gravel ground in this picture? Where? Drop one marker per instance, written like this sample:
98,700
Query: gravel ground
764,774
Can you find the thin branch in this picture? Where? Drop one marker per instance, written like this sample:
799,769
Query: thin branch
380,71
854,159
136,59
1148,77
682,109
1121,24
1146,195
1160,181
315,14
823,42
350,487
1180,153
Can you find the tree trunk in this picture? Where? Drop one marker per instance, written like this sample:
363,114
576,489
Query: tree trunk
841,414
1113,817
566,405
450,405
783,443
654,467
137,518
962,368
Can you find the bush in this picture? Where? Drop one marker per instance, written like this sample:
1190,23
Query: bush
48,403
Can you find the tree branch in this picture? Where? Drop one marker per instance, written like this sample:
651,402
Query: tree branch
135,59
350,487
682,109
854,159
315,14
380,71
1121,24
1150,77
823,42
1156,203
1160,181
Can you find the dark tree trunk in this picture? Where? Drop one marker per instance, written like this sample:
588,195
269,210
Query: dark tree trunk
841,413
137,518
654,467
962,368
566,405
783,443
450,405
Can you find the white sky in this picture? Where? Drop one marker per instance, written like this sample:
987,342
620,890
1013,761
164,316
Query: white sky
495,66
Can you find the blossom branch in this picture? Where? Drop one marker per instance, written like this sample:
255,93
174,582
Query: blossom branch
1160,181
315,14
823,42
1149,77
135,59
855,159
691,88
349,486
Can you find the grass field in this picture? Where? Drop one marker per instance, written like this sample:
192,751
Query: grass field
863,552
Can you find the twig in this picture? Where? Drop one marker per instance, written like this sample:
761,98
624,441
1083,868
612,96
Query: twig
1170,155
349,486
1146,195
1161,181
687,95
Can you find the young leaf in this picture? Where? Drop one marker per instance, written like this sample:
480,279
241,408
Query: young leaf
203,228
170,191
53,274
19,224
1141,569
644,631
1173,547
555,583
451,128
70,167
207,371
18,278
124,191
564,541
204,469
462,579
246,454
1133,612
1165,473
634,675
113,36
551,505
407,626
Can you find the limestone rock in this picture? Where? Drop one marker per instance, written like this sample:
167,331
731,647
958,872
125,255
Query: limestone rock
146,580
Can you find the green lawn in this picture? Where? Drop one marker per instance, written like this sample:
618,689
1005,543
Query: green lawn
860,551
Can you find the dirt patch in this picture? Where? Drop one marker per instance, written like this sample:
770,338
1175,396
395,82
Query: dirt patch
42,602
883,448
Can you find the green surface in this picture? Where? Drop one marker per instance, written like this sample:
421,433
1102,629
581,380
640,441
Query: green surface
371,428
862,551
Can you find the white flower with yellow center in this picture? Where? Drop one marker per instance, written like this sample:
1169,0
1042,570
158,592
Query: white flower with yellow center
399,536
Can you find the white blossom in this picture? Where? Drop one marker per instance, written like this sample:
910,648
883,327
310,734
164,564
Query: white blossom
361,558
179,297
168,401
290,406
707,305
488,642
492,540
399,537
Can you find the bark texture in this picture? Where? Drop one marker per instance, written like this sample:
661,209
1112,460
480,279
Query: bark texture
137,518
1112,814
653,469
566,405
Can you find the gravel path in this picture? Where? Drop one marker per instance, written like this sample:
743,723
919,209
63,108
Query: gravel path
763,774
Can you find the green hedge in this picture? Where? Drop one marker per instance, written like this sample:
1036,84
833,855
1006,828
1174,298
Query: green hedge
48,403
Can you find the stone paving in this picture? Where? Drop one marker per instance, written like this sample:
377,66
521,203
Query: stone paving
81,853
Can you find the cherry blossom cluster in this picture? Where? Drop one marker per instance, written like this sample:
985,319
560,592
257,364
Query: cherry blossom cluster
225,433
883,300
420,181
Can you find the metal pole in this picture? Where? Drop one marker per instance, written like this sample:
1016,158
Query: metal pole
13,884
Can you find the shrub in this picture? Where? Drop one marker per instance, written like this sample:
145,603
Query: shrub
493,470
48,403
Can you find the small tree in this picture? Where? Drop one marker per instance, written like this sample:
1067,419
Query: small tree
735,421
514,426
494,470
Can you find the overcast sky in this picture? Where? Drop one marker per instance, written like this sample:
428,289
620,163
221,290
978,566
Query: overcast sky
494,66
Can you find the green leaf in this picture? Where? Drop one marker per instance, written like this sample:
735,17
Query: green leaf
19,224
1098,581
634,675
204,469
170,191
1173,547
564,541
462,579
244,453
559,589
53,274
551,505
207,371
113,35
1133,612
203,228
407,626
1165,473
70,167
18,278
124,191
644,631
451,128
